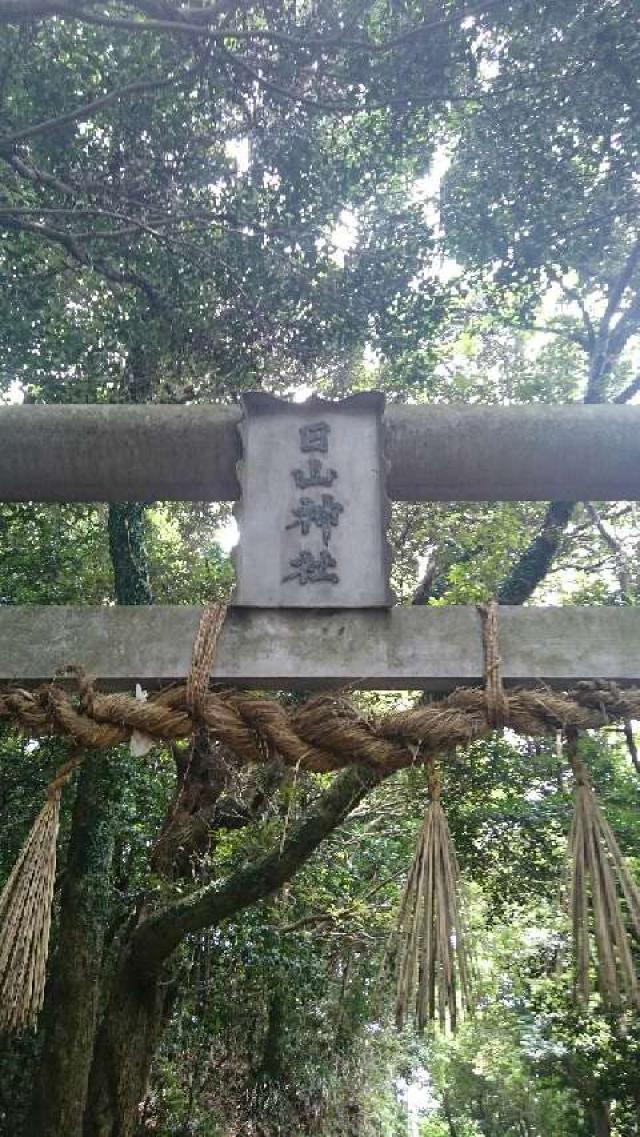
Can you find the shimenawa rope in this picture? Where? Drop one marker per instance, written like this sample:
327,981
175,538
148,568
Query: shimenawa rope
324,734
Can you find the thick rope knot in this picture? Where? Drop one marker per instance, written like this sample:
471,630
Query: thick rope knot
496,702
178,828
84,686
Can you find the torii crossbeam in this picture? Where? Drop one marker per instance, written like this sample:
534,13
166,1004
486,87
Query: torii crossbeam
89,453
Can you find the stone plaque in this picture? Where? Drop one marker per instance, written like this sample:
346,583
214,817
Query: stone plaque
313,511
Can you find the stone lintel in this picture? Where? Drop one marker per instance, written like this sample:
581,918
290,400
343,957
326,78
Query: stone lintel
435,453
402,648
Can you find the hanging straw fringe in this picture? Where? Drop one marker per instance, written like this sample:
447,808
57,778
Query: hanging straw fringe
25,914
598,879
433,971
433,968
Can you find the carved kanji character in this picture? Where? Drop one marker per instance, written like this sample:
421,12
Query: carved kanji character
325,514
316,476
312,570
315,436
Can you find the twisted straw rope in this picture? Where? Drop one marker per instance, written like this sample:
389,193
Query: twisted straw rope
324,734
202,657
493,688
327,732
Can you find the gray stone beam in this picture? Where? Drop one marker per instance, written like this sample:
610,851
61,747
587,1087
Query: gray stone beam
436,453
430,648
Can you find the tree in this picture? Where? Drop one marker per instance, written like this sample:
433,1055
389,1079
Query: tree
137,190
529,189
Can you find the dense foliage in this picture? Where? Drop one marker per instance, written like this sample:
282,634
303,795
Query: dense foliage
436,199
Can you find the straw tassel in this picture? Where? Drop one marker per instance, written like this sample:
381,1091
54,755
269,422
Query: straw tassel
598,880
433,971
25,914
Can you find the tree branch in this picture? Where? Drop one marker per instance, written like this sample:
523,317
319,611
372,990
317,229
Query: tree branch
610,341
38,177
24,11
626,326
621,284
68,242
534,564
332,106
159,934
629,391
79,114
574,297
199,20
612,543
422,591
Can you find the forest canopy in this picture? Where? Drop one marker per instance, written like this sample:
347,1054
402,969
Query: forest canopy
436,199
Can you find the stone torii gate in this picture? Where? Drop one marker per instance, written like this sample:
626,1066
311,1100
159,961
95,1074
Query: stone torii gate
312,608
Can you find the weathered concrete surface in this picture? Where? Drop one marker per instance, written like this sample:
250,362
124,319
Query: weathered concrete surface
534,453
431,648
119,453
155,453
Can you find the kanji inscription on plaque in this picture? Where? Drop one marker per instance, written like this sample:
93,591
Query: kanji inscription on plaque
313,510
324,514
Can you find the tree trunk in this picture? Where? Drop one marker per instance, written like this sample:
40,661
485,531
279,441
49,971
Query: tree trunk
600,1121
272,1057
128,553
446,1109
534,564
73,990
138,1006
126,1042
